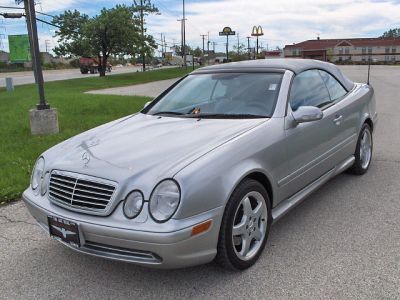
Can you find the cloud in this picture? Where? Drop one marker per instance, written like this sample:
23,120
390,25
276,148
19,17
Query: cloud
284,21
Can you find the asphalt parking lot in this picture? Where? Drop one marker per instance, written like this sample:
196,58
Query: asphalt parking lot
343,242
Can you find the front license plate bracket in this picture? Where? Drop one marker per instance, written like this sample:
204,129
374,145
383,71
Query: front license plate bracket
64,230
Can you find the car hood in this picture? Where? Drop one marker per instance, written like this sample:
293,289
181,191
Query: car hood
144,143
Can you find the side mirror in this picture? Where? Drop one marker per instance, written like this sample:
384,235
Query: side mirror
146,104
306,114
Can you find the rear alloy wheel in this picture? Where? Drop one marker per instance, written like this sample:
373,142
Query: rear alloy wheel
363,154
245,226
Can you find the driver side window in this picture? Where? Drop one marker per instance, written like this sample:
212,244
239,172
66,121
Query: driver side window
308,89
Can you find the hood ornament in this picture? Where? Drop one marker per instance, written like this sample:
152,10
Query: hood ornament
85,158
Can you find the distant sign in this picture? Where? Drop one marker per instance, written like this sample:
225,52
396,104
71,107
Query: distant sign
257,31
227,31
19,48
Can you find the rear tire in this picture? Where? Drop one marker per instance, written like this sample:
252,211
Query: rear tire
245,226
363,154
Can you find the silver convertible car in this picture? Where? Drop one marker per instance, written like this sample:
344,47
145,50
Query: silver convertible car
204,170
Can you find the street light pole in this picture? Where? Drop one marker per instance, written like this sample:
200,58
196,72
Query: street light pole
32,26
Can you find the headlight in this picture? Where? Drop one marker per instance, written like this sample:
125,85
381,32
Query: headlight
37,173
133,204
43,184
164,200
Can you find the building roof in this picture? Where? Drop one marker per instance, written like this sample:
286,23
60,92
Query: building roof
280,64
358,42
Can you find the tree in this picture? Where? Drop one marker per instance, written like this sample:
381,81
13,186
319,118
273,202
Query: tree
113,31
197,52
240,53
391,33
70,34
143,8
179,52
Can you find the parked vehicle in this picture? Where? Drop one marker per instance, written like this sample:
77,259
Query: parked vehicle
91,65
203,171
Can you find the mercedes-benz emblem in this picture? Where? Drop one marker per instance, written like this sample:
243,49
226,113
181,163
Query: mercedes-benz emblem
85,158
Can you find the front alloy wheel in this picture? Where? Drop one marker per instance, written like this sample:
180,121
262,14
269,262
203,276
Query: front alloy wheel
249,226
245,226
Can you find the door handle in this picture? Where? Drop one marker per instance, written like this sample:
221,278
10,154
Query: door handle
337,119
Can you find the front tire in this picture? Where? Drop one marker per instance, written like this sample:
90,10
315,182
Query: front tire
245,226
363,154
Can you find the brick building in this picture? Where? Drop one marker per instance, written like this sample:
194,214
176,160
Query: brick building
386,50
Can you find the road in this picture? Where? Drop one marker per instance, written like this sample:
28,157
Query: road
151,89
54,75
342,243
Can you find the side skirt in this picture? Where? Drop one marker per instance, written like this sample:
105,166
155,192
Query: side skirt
285,206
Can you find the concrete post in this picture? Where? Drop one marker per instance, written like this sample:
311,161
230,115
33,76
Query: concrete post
44,121
9,84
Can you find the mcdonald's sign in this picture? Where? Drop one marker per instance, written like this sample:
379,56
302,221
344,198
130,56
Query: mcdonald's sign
257,31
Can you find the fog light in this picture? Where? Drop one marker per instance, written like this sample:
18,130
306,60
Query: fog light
133,204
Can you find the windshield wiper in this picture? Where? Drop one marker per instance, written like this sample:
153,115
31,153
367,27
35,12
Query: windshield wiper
225,116
167,113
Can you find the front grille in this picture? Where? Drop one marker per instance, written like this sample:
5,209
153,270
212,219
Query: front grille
80,192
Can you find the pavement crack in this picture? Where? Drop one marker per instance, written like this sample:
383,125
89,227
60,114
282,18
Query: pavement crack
16,221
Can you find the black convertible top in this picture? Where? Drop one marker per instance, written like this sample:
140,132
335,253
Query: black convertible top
292,64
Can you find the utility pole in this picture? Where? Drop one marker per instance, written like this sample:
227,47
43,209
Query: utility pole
238,52
208,48
47,44
181,20
248,46
162,46
184,34
165,47
142,34
2,36
203,37
28,22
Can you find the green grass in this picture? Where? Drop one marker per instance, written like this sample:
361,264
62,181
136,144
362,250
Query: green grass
77,112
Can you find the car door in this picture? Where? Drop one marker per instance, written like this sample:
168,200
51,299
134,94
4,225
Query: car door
347,114
311,147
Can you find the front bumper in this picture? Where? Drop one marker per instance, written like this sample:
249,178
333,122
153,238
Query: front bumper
172,247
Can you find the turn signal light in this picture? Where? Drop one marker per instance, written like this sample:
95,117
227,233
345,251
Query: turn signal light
201,227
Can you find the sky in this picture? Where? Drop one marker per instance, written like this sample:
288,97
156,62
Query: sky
283,22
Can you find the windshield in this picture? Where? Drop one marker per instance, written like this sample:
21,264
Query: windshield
238,95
